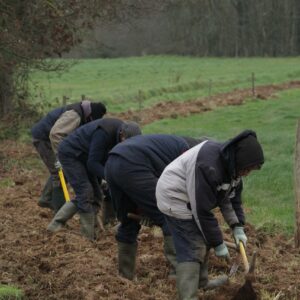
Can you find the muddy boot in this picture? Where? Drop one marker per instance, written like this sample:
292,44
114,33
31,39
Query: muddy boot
87,225
108,212
45,199
58,198
217,282
187,279
210,284
127,258
67,211
170,254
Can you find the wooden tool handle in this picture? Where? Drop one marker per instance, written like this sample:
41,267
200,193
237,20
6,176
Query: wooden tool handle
244,257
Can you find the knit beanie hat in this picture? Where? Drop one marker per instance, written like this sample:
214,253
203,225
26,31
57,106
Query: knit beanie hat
98,110
130,129
248,153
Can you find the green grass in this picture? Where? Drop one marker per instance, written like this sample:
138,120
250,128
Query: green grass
126,83
10,293
268,193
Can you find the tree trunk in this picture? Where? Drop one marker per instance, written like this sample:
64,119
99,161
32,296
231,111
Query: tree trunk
297,188
6,93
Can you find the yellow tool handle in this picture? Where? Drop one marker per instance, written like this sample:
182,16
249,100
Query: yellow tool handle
244,257
63,185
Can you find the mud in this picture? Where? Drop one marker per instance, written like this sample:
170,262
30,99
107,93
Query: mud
67,266
172,109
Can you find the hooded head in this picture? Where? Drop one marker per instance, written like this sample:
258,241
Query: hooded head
93,111
98,110
248,154
129,129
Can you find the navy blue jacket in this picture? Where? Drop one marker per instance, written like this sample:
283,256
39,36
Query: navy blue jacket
152,151
42,128
91,143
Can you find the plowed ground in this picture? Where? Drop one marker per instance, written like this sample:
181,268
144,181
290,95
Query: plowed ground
66,266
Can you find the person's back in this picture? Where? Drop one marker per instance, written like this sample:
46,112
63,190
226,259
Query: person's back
153,151
78,142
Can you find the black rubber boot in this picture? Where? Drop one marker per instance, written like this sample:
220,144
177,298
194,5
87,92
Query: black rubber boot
187,279
58,198
127,259
46,197
87,225
67,211
170,254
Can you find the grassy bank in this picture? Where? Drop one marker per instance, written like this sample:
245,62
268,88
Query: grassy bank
268,193
128,83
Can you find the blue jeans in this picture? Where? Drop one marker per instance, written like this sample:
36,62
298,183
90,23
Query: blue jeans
188,240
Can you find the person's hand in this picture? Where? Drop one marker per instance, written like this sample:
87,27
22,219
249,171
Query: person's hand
58,165
104,184
222,251
239,235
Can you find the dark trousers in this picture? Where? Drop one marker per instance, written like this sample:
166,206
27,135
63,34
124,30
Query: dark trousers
188,240
86,187
132,188
48,157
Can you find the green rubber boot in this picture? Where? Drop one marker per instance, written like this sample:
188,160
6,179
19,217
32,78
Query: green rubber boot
213,283
87,225
46,197
170,254
127,259
67,211
187,279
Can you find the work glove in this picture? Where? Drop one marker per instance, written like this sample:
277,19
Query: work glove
239,235
222,251
104,185
58,165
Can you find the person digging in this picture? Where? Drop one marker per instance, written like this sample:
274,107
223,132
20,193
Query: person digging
83,155
48,132
205,177
132,170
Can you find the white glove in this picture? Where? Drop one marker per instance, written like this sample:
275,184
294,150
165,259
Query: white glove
58,165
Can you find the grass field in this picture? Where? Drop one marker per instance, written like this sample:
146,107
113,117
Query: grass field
10,293
268,194
127,83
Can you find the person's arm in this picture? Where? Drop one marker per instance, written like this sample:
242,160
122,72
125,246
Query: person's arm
98,153
66,123
205,201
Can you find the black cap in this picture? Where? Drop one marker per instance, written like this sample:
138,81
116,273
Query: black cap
248,153
98,110
130,128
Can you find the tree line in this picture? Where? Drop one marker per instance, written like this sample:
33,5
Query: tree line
31,31
200,27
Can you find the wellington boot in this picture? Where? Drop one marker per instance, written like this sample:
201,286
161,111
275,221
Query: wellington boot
127,259
213,283
217,282
46,197
67,211
87,225
170,254
187,279
108,212
58,198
